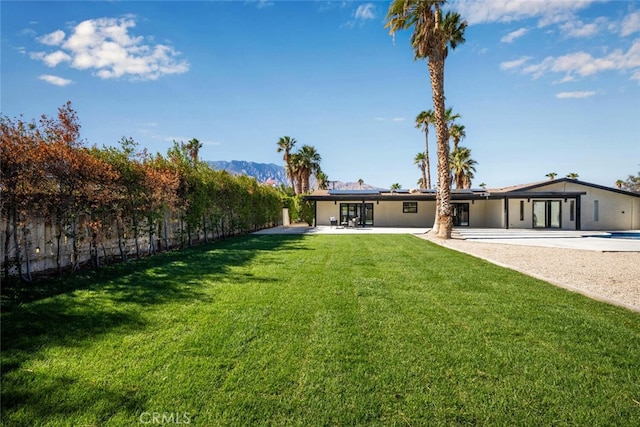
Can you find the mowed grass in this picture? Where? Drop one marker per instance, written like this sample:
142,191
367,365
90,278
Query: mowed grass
318,330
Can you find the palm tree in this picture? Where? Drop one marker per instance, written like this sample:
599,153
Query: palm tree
462,167
572,175
323,180
307,162
457,134
395,187
360,182
551,175
423,120
619,183
286,144
421,161
297,172
193,148
432,36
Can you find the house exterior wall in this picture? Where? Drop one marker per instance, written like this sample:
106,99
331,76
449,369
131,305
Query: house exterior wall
566,223
386,213
490,214
389,214
615,211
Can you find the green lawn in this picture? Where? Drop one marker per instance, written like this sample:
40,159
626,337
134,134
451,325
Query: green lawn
318,330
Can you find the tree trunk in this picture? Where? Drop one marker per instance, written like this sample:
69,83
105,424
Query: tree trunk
123,254
426,157
27,260
76,251
59,240
166,232
16,243
135,235
443,223
7,245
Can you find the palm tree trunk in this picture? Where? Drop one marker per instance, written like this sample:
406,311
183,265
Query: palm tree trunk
443,220
426,157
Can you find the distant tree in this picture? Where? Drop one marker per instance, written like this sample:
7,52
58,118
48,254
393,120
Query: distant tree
322,179
457,134
432,37
632,183
462,167
285,145
619,183
483,185
395,187
360,182
423,120
551,175
307,162
193,148
572,175
421,161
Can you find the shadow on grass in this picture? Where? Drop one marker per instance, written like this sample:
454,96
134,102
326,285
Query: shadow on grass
114,300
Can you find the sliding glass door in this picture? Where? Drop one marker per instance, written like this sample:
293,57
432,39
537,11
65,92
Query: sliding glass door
362,211
546,214
460,214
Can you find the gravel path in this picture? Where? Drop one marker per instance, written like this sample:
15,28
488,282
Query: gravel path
613,277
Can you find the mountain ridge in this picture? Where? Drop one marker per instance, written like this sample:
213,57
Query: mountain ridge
272,174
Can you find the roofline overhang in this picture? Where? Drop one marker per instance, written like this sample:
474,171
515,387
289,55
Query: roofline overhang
454,196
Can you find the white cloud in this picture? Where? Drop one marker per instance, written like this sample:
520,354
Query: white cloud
365,11
517,63
52,39
582,64
577,28
398,119
509,38
54,80
260,3
477,12
575,95
105,45
55,58
630,24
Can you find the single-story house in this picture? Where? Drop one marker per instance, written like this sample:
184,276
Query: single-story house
566,204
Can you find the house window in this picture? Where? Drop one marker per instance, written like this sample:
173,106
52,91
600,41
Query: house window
596,210
572,210
521,210
409,207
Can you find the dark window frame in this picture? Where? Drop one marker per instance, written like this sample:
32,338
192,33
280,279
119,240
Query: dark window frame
410,207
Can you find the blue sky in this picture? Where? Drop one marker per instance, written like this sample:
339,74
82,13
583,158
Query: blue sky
542,86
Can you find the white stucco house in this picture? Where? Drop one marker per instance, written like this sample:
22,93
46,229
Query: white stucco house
565,204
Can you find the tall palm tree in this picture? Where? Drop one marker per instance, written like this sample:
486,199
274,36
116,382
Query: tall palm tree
551,175
572,175
421,160
286,144
423,120
457,134
307,163
296,165
462,167
395,187
432,37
